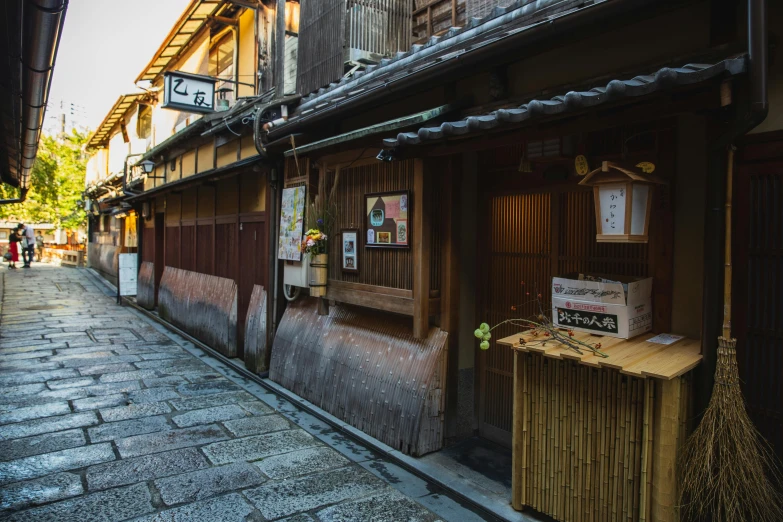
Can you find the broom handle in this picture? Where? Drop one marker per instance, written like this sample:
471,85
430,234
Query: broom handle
727,255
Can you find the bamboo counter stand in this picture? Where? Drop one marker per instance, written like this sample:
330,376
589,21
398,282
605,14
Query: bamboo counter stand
596,439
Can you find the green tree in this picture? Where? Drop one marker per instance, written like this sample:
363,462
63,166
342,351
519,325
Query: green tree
57,182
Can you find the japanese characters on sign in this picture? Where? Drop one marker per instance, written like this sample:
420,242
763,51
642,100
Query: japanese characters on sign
589,320
612,200
188,92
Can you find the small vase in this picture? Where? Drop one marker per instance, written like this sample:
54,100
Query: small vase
318,275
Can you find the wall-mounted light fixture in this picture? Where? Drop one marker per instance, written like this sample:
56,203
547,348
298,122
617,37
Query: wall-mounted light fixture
147,166
623,202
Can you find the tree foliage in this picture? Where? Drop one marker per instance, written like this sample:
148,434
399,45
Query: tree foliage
57,182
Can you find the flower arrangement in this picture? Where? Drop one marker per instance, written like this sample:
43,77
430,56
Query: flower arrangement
541,328
315,242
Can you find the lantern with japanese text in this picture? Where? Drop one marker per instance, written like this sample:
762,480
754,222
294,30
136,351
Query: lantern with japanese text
623,200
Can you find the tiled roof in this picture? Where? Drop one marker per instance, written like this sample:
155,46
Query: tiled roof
661,80
503,22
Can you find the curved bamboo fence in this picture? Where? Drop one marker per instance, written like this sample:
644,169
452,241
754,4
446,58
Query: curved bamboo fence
145,290
255,331
366,368
105,260
202,305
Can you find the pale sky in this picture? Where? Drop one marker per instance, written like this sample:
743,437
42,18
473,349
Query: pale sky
104,46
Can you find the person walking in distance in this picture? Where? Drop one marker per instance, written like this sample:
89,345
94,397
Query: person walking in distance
39,244
28,245
13,246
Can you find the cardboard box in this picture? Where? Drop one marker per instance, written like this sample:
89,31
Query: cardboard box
615,306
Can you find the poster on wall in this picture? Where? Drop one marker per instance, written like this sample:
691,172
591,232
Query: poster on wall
350,250
291,224
387,219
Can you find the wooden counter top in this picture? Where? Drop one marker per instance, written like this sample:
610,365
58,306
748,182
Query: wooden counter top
635,356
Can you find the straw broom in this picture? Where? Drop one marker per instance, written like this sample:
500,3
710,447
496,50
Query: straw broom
728,470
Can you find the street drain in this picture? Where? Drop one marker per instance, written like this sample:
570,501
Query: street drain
69,287
44,307
109,334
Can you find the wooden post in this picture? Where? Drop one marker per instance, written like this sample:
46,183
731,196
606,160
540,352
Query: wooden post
421,251
520,436
449,311
666,442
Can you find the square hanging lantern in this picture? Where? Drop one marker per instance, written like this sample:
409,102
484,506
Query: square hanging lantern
623,200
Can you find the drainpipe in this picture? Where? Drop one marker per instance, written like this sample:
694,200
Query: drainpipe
748,116
42,28
274,221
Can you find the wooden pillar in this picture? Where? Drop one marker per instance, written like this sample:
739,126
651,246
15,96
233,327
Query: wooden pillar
451,180
421,251
520,437
668,437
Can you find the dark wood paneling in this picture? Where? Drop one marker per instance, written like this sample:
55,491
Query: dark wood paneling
172,246
148,245
758,295
187,247
226,251
205,247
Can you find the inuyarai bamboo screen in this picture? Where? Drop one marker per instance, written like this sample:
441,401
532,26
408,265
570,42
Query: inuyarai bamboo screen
586,441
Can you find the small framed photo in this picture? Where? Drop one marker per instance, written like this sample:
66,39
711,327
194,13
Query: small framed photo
387,216
350,250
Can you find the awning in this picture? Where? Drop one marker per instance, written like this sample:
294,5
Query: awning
662,80
399,123
102,134
188,25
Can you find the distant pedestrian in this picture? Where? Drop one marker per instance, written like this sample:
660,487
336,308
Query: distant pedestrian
39,243
13,246
28,245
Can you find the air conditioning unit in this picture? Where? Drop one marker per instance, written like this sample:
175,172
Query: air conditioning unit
376,29
297,273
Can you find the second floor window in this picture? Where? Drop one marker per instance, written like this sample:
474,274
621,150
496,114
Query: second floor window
144,123
221,62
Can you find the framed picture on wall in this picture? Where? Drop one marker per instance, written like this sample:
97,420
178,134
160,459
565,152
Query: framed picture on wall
350,250
386,219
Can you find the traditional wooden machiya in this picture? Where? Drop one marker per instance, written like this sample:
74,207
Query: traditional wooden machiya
594,437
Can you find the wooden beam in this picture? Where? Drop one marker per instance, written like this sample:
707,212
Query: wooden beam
422,230
349,293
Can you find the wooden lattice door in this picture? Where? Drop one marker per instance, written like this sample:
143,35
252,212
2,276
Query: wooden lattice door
515,266
758,294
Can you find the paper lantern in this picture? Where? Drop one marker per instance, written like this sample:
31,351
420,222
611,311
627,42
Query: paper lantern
623,200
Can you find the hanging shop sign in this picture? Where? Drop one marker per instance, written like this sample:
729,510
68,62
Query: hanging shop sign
387,222
188,92
291,224
580,165
623,200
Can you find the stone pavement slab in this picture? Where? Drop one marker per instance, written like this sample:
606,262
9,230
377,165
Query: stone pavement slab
293,496
198,485
106,416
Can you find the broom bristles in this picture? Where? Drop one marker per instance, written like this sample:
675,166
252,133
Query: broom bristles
728,469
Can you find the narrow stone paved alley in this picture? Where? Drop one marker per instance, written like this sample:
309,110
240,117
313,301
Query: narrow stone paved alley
105,416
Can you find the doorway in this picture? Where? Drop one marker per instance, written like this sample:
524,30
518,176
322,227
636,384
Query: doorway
160,242
252,270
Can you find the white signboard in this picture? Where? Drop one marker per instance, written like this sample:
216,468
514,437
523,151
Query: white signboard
612,200
291,224
188,92
128,274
